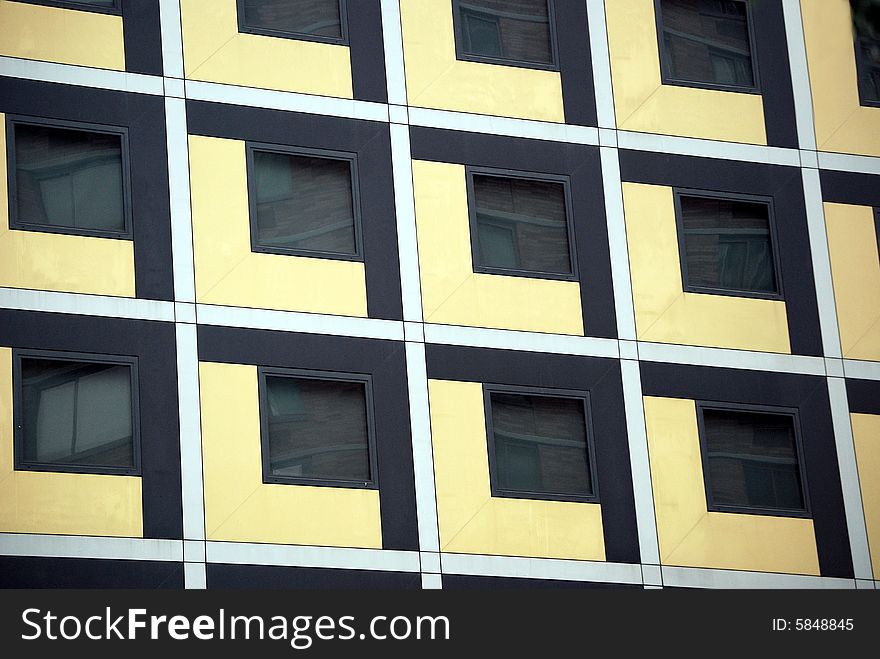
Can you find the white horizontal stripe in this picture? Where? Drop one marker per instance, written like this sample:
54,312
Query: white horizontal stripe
291,101
849,163
294,321
689,577
81,75
513,340
861,370
304,556
71,546
540,568
687,146
87,305
726,358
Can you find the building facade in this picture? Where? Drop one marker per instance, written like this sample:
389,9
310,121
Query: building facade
440,293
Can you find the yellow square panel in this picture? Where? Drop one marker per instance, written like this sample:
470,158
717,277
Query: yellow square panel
866,435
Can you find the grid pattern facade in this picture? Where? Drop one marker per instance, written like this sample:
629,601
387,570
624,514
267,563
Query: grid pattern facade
203,313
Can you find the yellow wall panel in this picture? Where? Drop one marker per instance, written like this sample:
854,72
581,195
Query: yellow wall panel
57,262
239,506
228,272
855,268
452,292
214,50
61,35
691,536
842,124
48,502
643,103
471,520
436,79
866,435
664,312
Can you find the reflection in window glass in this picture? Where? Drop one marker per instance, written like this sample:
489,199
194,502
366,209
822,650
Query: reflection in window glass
303,203
866,18
317,429
727,245
521,225
752,460
515,30
69,179
76,413
540,444
707,41
319,18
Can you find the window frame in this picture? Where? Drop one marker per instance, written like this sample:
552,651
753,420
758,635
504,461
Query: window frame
12,188
79,357
264,372
860,67
115,10
678,193
546,392
667,79
791,412
350,157
470,171
458,37
343,40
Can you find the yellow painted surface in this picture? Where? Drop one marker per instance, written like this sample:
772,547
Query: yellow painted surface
643,103
215,51
664,312
228,272
866,435
436,79
471,520
855,269
57,262
60,35
239,506
71,504
841,123
691,536
452,293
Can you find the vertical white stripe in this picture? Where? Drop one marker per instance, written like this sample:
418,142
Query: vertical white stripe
172,42
181,215
190,432
601,63
407,242
393,38
195,576
800,77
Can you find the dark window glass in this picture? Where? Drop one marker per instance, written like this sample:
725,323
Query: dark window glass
515,30
317,429
69,179
706,41
303,203
317,18
752,460
540,444
727,245
521,225
76,413
866,17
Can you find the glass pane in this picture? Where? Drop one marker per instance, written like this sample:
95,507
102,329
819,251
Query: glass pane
314,17
69,178
728,245
540,444
318,429
304,203
76,413
866,16
752,459
707,41
517,30
521,225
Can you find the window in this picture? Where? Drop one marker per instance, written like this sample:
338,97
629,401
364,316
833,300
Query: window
539,444
520,224
310,20
303,202
317,428
727,244
707,43
513,32
752,459
866,17
68,178
76,413
101,6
